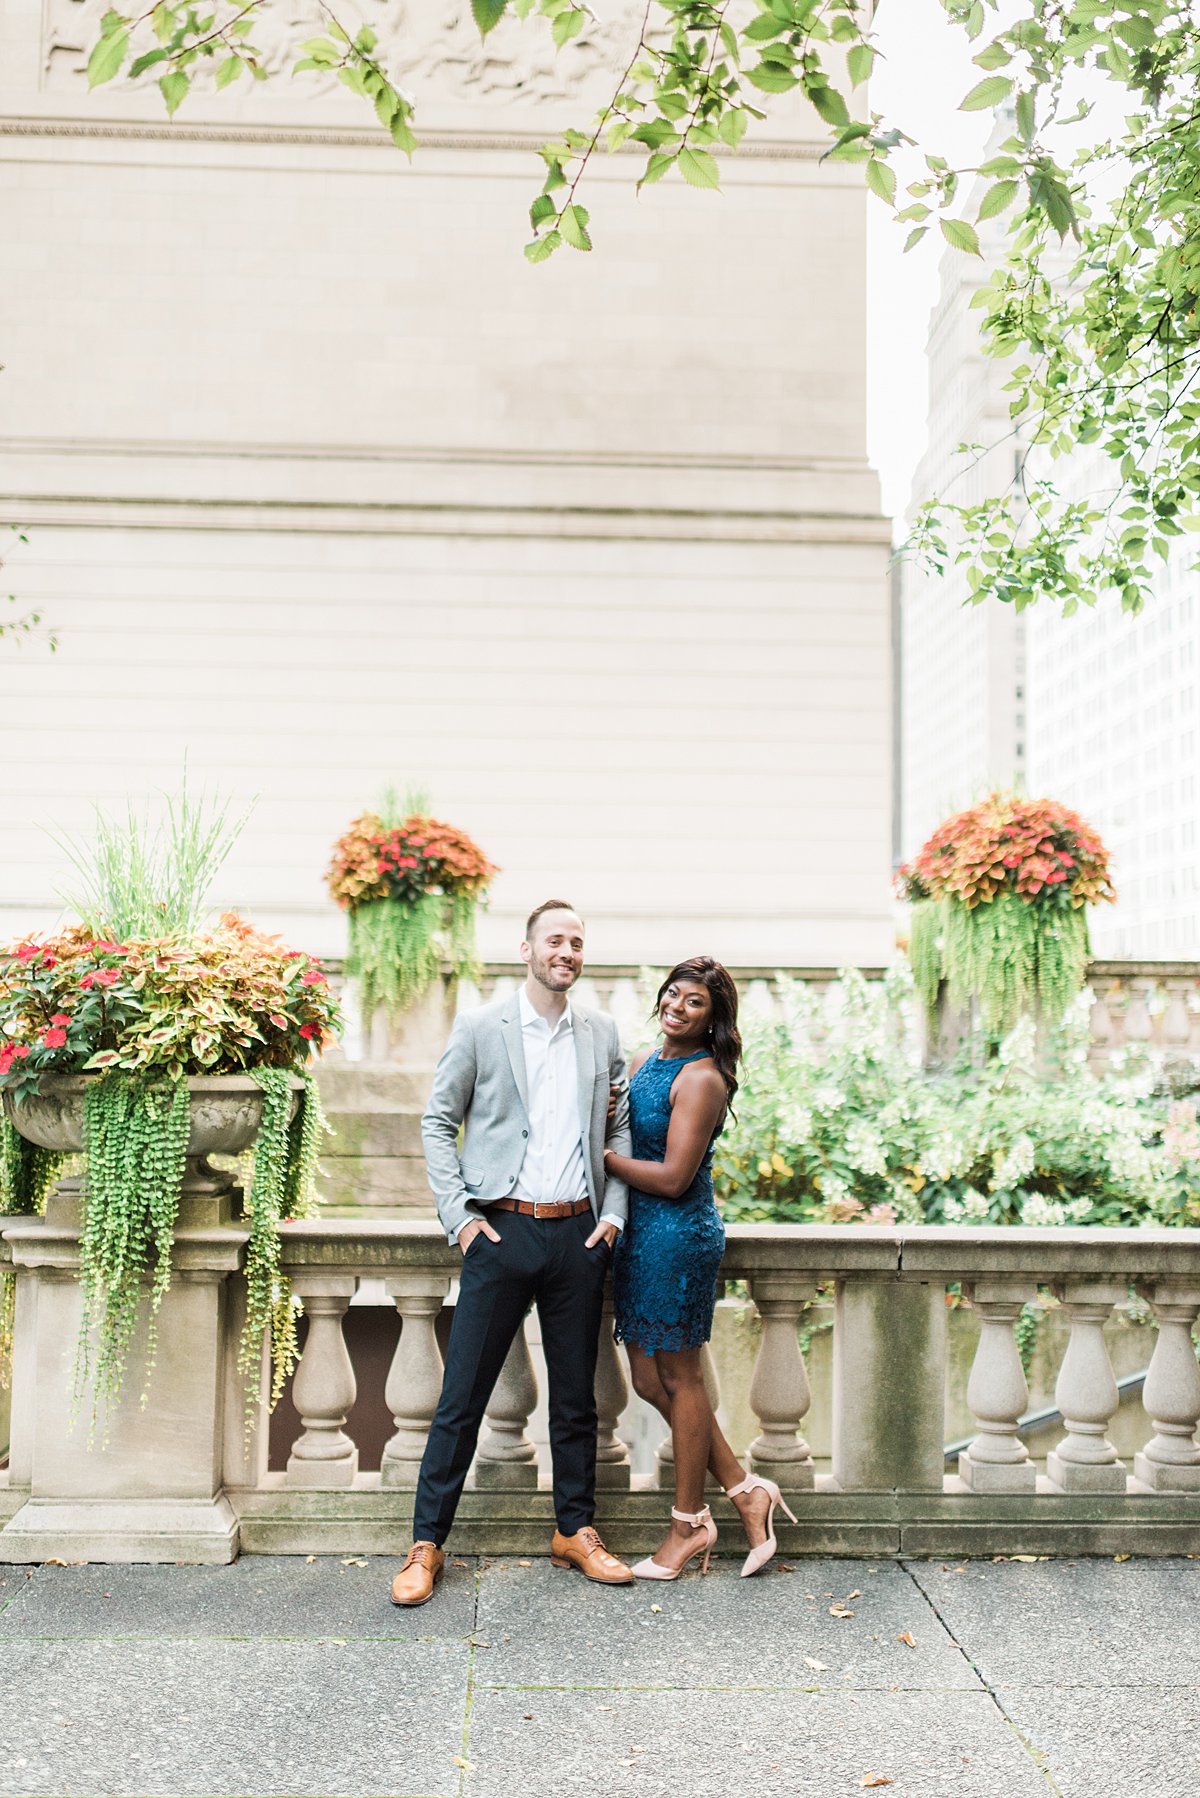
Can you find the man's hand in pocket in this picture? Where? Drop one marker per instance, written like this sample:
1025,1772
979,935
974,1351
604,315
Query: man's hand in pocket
469,1232
612,1103
602,1233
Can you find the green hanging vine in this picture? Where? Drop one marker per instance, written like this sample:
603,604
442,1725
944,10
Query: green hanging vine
394,951
27,1176
283,1186
135,1137
999,899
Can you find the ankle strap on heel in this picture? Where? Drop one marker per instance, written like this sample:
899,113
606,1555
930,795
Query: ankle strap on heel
695,1518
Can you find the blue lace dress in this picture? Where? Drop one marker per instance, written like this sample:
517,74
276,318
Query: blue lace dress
668,1255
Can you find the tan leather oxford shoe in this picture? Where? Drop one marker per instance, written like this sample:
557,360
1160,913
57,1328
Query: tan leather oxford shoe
587,1554
419,1575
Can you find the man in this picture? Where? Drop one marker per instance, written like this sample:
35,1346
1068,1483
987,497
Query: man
529,1205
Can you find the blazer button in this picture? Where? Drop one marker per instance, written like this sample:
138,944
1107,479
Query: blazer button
524,1133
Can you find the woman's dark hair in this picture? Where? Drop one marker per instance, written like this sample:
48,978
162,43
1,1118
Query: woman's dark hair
723,1037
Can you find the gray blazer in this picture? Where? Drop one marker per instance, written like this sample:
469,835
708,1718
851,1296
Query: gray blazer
480,1087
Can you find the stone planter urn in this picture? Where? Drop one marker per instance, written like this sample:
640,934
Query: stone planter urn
147,1483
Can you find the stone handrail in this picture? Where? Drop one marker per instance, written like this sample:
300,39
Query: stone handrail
886,1491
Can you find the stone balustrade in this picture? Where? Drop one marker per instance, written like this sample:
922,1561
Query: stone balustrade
1133,1002
886,1492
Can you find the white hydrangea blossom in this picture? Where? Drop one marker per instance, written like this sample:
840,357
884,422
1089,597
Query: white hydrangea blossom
1016,1164
864,1149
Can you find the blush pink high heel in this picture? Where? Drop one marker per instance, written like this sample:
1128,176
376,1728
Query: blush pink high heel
758,1557
701,1519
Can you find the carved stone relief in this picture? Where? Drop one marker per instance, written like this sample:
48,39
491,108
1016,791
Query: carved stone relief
431,49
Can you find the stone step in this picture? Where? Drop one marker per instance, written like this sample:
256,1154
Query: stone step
365,1086
369,1180
374,1133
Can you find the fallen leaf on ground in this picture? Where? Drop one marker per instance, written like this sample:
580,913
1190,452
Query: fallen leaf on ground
817,1666
656,1607
876,1779
54,1562
907,1638
839,1610
458,1563
309,1559
784,1567
467,1766
1121,1557
477,1642
855,1594
527,1717
353,1561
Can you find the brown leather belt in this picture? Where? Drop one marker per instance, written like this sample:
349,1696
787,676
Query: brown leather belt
546,1212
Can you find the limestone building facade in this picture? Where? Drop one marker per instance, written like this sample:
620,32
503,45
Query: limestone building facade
325,486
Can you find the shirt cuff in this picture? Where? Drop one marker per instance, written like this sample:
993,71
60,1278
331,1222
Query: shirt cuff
606,1217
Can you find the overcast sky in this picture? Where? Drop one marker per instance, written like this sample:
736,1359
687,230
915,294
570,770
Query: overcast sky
924,72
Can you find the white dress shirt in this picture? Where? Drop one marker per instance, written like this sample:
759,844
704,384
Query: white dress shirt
552,1172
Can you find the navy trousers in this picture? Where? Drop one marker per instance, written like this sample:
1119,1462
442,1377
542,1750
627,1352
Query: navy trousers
537,1262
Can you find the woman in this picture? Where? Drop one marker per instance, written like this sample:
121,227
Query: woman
669,1255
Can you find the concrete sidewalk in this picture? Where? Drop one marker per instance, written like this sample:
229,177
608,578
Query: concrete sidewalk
292,1676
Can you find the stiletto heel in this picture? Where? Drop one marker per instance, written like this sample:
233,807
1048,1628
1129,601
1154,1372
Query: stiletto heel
701,1519
758,1557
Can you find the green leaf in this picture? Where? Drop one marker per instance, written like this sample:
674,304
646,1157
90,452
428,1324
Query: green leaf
998,198
733,126
769,78
542,248
829,104
108,53
173,88
961,236
402,137
1025,115
543,208
656,168
988,92
882,181
387,100
996,56
698,168
765,26
859,61
229,71
567,25
147,61
914,237
573,225
487,14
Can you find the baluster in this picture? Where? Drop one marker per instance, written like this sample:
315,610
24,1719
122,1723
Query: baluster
612,1396
1170,1461
997,1391
1086,1393
1101,1026
664,1471
1177,1023
506,1455
779,1390
324,1388
414,1381
1139,1027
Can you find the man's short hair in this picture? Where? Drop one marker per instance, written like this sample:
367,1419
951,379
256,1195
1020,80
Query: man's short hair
545,906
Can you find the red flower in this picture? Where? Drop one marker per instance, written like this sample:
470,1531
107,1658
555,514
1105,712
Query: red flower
27,951
20,1050
310,1030
60,1017
311,979
54,1039
49,961
108,976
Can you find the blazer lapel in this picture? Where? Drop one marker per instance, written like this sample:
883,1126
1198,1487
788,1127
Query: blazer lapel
585,1069
510,1026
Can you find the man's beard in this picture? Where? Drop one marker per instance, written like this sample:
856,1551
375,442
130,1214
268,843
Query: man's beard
551,977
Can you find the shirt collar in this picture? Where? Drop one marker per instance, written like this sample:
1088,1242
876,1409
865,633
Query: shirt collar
531,1019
